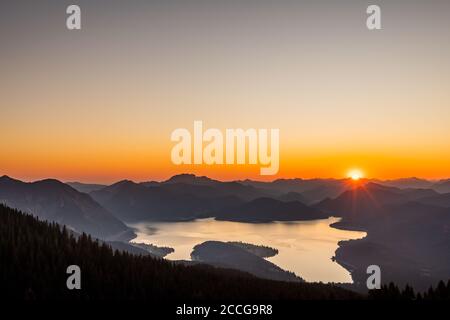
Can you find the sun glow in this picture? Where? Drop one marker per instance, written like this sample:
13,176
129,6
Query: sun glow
355,174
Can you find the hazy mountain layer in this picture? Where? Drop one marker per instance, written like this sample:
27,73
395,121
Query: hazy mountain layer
53,200
409,240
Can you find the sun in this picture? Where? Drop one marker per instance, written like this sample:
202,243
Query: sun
355,174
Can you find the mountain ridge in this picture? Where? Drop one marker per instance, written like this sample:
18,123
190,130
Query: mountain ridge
53,200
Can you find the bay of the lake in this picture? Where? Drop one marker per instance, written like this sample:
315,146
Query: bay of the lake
305,247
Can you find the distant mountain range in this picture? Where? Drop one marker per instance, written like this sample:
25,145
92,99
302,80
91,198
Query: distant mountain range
133,202
311,190
408,233
372,197
268,209
441,186
55,201
407,220
186,197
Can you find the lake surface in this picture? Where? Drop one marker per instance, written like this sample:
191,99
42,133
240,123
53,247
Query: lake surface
305,247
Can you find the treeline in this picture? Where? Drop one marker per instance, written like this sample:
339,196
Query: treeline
393,292
34,256
260,250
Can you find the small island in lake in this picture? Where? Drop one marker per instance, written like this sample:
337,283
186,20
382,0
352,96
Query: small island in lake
231,256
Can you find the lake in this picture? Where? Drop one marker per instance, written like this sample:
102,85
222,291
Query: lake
305,247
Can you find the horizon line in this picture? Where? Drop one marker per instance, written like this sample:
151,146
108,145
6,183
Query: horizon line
220,180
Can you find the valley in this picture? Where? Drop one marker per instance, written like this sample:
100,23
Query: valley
325,230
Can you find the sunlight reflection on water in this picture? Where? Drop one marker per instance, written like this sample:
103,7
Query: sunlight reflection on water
305,247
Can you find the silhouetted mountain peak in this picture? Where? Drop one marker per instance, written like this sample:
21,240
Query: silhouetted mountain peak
51,183
53,200
191,179
124,182
50,180
53,187
288,180
121,184
6,178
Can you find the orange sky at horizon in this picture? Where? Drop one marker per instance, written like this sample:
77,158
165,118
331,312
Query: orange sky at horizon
144,167
98,105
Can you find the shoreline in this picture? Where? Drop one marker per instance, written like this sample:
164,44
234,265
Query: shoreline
343,225
330,222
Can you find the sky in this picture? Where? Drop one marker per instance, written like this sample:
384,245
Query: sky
99,104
